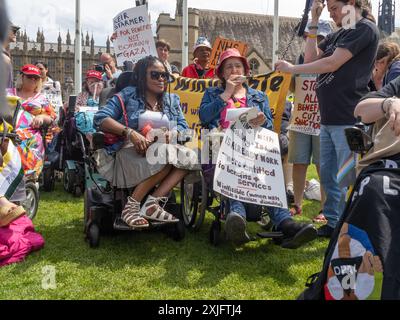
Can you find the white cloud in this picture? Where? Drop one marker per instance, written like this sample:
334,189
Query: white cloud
54,16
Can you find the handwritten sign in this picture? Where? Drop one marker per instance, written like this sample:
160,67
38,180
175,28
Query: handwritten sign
134,38
305,116
249,166
221,44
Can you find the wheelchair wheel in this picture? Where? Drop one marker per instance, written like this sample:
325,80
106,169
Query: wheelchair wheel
203,204
190,196
179,231
215,233
49,180
31,204
69,178
93,235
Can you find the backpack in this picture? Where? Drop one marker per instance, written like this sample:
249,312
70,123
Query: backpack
362,259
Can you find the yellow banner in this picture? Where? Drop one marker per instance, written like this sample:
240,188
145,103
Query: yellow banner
190,91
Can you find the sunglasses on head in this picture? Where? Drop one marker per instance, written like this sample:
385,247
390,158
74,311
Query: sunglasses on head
155,75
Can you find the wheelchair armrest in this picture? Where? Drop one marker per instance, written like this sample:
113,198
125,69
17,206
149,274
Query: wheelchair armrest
98,141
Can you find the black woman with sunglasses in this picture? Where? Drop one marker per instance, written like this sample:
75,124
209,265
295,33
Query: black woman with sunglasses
148,106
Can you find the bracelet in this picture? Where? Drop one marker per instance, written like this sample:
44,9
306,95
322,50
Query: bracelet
382,104
312,27
312,36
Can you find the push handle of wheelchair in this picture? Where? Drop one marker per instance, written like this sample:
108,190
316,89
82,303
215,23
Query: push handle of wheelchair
71,105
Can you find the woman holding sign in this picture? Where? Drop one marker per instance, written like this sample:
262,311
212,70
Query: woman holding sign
128,115
232,69
344,62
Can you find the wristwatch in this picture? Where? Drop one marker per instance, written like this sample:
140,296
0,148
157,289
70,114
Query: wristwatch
125,132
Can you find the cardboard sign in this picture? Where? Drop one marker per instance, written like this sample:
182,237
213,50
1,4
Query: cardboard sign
221,44
249,166
305,116
134,39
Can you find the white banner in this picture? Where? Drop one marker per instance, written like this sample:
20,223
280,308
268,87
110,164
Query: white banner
305,115
249,166
134,39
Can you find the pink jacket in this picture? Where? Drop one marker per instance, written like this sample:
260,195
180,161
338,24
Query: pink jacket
17,240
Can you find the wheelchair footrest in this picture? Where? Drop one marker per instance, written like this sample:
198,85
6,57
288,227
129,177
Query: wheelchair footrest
270,235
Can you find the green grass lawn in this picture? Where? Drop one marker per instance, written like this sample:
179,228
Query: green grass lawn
149,265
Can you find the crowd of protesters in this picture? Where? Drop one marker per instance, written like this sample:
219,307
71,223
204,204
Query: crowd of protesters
348,63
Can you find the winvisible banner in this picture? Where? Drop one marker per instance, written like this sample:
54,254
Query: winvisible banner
305,115
222,44
134,39
249,166
191,91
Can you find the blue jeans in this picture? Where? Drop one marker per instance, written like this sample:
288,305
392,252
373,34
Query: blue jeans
277,215
334,152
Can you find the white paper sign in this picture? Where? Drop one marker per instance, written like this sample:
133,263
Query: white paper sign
134,35
249,166
305,115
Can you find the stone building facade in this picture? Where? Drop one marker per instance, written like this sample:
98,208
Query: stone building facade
58,56
254,29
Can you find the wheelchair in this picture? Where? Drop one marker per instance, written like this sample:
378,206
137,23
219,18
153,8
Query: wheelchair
103,204
198,198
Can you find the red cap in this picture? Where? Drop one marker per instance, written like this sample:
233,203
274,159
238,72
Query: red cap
30,70
94,74
231,53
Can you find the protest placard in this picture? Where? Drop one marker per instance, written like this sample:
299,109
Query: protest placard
191,91
249,166
134,37
222,44
55,99
305,115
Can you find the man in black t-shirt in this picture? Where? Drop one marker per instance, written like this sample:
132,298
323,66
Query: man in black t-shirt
344,62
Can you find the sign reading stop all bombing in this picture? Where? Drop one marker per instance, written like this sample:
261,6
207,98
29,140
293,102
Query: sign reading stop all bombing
134,38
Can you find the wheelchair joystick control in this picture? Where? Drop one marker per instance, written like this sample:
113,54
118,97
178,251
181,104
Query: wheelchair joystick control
358,137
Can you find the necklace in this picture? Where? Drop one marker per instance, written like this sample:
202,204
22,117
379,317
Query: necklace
153,108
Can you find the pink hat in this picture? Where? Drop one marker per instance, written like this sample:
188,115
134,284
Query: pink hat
231,53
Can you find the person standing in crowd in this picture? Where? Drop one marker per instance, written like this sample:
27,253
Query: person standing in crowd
48,83
387,64
304,147
235,93
344,62
163,49
111,71
12,37
200,68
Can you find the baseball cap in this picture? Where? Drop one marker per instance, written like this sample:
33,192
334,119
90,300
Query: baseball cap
202,42
94,74
30,70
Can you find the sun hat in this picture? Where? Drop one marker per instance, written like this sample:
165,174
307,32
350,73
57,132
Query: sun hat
30,70
231,53
94,74
202,42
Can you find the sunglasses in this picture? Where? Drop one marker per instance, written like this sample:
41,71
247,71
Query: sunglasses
155,75
32,77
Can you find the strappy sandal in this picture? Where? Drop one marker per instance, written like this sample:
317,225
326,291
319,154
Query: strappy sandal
130,215
320,218
152,210
295,210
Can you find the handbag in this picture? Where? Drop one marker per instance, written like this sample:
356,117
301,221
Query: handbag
111,138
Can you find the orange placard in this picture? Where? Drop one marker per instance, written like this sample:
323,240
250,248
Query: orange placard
221,44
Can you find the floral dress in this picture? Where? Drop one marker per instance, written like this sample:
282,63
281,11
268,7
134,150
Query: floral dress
32,148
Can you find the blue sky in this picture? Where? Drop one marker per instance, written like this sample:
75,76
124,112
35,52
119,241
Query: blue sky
54,16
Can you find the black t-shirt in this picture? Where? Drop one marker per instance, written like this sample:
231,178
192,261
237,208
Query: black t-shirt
339,92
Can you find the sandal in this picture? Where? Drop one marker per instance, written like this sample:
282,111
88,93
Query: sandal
152,210
9,213
130,215
320,218
296,210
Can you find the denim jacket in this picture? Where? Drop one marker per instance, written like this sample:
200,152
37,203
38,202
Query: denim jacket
135,106
212,106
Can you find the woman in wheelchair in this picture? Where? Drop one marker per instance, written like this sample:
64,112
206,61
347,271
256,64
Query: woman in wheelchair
235,93
36,112
121,116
